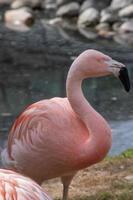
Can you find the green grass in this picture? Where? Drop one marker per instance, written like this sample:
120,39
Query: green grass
112,185
126,154
127,195
108,195
120,189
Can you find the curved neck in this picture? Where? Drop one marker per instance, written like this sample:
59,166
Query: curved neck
99,133
78,102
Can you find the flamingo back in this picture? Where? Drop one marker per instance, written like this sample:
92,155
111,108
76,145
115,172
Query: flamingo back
14,186
46,136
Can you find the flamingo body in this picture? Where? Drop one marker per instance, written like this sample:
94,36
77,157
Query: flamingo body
59,136
14,186
32,138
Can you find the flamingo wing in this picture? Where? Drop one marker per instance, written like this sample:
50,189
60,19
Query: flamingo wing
46,135
14,186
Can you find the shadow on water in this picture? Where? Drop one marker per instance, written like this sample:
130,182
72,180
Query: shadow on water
34,65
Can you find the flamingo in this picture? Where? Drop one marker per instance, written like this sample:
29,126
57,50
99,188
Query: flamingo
57,137
14,186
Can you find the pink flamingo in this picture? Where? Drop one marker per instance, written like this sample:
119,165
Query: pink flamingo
14,186
57,137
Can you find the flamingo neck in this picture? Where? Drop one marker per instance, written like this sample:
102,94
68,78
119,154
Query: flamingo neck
99,133
78,101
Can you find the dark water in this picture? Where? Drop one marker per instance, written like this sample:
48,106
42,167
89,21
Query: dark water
34,65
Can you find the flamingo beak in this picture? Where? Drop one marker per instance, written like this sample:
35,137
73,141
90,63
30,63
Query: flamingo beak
123,76
120,71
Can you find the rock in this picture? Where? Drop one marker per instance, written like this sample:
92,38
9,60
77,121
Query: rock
63,23
104,30
116,26
125,33
23,3
118,4
70,24
106,34
108,15
49,4
126,27
62,2
95,4
88,33
126,12
125,39
102,27
70,9
103,4
20,19
88,17
87,4
129,178
58,21
5,1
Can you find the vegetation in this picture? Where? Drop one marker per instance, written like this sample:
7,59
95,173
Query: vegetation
111,179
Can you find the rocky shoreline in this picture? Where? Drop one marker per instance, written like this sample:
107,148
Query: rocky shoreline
110,19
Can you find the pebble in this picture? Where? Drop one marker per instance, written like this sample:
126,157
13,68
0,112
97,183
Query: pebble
108,15
70,9
129,178
116,26
88,33
88,17
63,2
102,26
126,12
22,3
118,4
106,34
87,4
126,27
19,19
124,38
5,1
49,4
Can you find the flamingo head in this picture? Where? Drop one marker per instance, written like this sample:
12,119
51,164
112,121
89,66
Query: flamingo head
97,64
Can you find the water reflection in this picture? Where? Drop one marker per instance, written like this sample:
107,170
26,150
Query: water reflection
34,66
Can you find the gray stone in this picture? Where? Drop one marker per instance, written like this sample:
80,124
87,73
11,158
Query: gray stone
95,4
67,23
102,27
118,4
126,27
87,4
20,19
62,2
126,12
88,33
49,4
70,9
30,3
125,39
104,30
116,26
106,34
5,1
108,15
129,178
88,17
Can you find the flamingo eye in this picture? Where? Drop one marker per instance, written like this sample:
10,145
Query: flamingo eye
107,60
102,60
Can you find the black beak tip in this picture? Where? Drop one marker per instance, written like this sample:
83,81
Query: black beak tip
123,76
